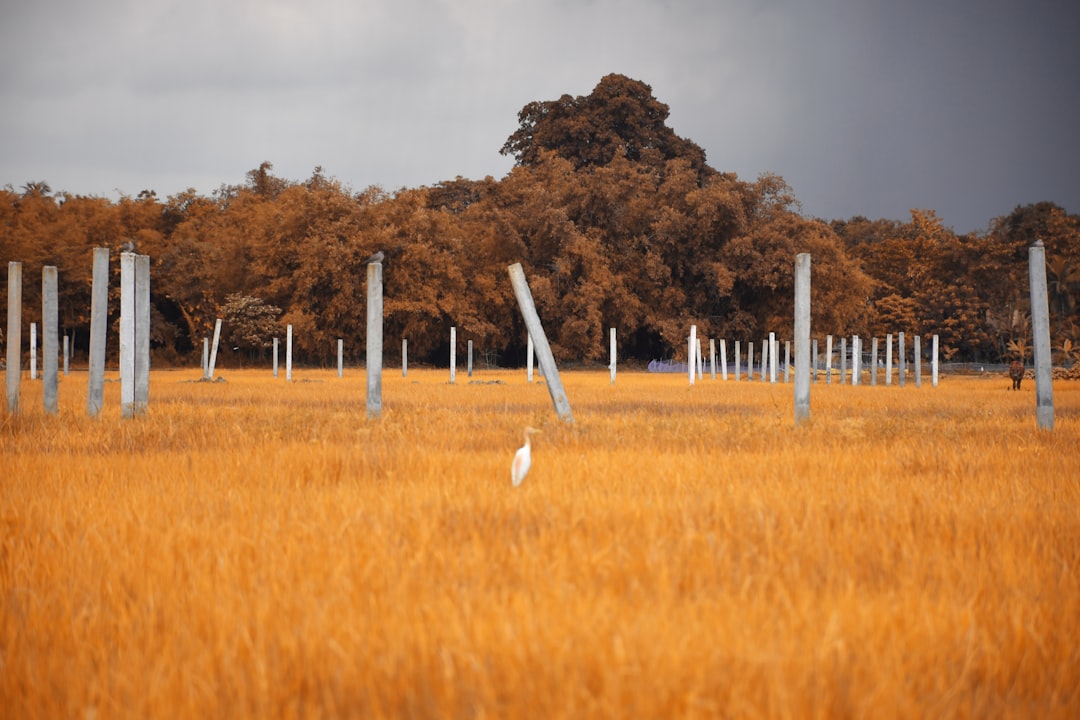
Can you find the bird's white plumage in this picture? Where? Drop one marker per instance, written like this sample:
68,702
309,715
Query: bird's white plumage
522,459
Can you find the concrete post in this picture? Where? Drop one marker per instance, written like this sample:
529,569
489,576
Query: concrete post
340,356
814,351
275,357
749,361
614,357
900,358
404,357
828,359
288,353
856,360
99,323
543,349
888,359
723,359
214,349
712,359
453,355
738,360
765,348
469,366
787,361
918,361
127,334
802,338
1040,336
206,358
934,361
772,357
691,353
843,360
374,345
50,320
14,336
67,355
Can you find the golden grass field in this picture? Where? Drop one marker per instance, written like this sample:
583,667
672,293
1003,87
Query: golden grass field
260,549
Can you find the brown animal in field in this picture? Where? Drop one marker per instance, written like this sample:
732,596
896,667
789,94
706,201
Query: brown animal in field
1016,372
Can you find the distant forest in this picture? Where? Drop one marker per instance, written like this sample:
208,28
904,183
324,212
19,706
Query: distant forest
618,221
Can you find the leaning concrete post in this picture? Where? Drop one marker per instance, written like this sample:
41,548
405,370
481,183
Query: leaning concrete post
873,361
900,358
453,355
723,359
404,357
142,333
1040,332
613,354
918,361
888,359
288,353
275,356
828,359
127,334
530,352
99,323
50,316
802,337
543,349
691,353
214,349
374,350
14,335
712,359
934,361
738,359
67,355
33,351
469,365
340,356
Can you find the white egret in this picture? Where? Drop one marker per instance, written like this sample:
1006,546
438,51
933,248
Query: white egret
522,458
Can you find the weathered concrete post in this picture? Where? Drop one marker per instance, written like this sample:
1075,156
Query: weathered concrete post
828,359
888,359
404,357
918,361
611,333
900,357
275,357
33,351
340,356
99,323
738,360
530,353
765,348
288,353
127,334
374,344
749,361
453,355
723,359
50,320
469,366
142,333
214,349
1040,336
773,346
67,355
14,336
691,353
205,358
934,361
712,359
873,361
814,351
787,361
543,349
856,360
843,360
700,357
802,338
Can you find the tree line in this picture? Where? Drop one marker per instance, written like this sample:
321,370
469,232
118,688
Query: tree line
617,221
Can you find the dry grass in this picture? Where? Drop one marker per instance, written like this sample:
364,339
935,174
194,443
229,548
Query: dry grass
260,549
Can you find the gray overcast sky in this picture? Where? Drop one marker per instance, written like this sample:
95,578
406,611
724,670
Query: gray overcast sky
865,107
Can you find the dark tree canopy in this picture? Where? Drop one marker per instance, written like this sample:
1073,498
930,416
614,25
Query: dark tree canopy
619,117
